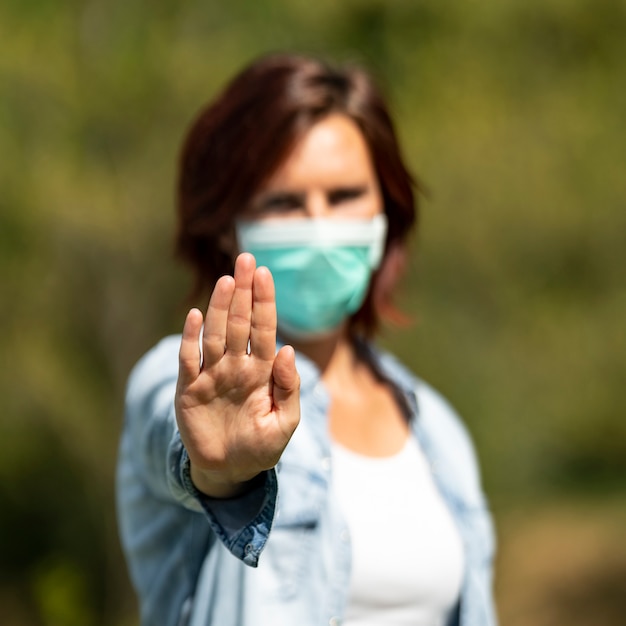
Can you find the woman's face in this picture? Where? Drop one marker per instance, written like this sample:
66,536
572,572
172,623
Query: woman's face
329,174
321,267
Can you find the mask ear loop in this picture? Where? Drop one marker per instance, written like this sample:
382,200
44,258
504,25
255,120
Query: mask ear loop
377,242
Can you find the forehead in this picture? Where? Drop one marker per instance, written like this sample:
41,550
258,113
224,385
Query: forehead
332,151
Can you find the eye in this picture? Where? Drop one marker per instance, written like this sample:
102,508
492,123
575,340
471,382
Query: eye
281,202
345,194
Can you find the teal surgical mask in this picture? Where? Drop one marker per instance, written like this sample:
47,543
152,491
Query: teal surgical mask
321,267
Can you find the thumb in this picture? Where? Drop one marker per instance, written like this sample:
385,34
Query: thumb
189,354
286,389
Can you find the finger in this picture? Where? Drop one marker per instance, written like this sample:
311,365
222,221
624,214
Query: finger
189,353
214,336
263,323
240,312
286,387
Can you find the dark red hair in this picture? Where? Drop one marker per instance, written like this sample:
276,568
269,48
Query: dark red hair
239,140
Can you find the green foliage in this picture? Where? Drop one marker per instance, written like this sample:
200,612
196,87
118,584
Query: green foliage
60,594
510,113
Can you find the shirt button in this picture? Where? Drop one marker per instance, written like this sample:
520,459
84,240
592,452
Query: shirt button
326,463
249,548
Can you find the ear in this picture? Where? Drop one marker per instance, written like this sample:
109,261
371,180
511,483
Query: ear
391,270
393,265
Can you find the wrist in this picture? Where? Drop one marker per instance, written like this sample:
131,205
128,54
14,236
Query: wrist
216,484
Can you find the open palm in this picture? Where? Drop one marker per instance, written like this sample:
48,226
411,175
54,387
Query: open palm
237,405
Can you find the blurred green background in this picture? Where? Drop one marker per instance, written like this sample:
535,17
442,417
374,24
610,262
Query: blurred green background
511,113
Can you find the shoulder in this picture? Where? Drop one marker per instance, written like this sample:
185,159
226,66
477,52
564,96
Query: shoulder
155,369
449,443
440,418
432,408
162,356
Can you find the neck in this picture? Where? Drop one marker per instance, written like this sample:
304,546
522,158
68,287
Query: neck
339,365
328,353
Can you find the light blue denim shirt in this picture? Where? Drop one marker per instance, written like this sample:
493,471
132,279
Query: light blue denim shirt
280,555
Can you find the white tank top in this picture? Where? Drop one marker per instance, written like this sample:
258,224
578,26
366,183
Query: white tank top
407,555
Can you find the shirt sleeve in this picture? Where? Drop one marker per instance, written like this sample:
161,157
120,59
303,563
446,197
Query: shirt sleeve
157,456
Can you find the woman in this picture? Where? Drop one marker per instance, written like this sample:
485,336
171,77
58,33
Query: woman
320,483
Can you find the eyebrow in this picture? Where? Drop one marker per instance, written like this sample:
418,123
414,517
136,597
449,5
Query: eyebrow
278,195
347,190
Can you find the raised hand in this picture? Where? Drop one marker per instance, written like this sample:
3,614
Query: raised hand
237,407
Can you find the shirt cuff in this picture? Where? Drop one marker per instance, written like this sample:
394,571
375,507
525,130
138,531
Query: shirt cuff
242,523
